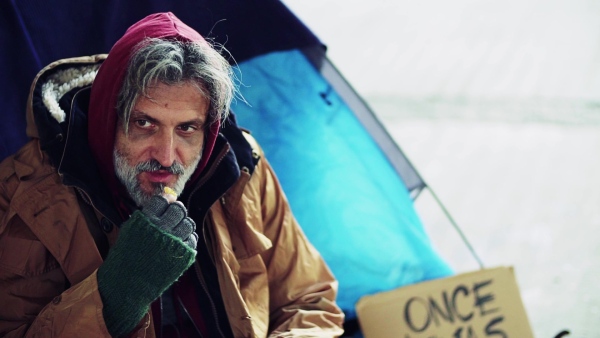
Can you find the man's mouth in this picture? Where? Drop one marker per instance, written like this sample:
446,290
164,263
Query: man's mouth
159,176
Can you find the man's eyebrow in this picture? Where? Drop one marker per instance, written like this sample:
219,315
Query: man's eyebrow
141,115
197,121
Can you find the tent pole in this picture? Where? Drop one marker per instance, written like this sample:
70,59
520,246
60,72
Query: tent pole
456,227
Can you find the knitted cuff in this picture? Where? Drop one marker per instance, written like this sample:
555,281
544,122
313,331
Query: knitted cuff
141,265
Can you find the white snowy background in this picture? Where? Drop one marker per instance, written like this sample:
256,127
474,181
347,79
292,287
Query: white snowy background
497,104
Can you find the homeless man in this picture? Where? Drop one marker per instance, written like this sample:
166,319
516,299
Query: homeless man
139,208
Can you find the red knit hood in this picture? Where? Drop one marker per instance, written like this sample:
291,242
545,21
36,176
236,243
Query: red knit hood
102,116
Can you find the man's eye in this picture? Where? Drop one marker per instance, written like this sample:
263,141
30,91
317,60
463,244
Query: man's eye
188,128
143,123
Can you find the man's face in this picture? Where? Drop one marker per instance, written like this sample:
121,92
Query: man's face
164,141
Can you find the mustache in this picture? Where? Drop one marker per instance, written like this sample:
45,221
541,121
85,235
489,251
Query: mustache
153,165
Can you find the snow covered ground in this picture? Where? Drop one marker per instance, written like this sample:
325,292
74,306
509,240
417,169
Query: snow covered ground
497,104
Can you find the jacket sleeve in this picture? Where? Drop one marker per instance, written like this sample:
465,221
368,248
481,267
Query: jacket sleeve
302,288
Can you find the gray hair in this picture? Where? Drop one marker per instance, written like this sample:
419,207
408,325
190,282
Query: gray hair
174,62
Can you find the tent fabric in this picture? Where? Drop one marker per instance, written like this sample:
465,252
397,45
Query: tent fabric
343,190
411,178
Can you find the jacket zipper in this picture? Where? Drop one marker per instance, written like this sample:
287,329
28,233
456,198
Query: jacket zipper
212,303
197,268
188,315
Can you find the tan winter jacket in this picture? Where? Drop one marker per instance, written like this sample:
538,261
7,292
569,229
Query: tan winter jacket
273,282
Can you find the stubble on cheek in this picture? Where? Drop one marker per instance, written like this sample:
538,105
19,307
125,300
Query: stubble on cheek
139,190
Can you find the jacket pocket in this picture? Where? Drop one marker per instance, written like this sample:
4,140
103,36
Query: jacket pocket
24,257
22,254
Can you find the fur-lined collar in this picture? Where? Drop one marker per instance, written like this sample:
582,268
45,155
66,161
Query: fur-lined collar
35,98
63,81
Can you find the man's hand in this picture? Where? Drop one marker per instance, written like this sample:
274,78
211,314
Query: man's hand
171,218
155,247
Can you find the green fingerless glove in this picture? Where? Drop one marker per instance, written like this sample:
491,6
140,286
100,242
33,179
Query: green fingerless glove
141,265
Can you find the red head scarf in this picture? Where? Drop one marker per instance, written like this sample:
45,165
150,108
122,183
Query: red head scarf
102,116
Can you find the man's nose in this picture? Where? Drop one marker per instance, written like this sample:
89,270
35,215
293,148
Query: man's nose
164,149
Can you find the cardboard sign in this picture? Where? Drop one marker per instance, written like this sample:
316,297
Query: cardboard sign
484,303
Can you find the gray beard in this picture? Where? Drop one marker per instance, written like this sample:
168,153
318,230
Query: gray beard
127,175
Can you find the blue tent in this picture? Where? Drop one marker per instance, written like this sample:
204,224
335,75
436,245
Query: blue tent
349,185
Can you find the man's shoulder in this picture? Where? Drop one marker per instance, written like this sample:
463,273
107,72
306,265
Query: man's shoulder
27,163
